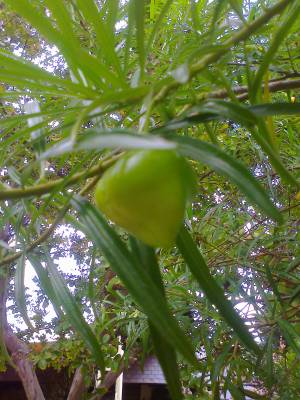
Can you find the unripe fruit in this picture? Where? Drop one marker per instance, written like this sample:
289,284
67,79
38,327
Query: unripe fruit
146,193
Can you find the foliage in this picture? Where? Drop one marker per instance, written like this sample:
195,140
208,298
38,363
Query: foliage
83,81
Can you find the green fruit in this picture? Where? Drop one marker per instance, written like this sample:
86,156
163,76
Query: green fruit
146,193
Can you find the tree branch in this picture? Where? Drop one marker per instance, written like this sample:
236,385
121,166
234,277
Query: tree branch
41,189
242,91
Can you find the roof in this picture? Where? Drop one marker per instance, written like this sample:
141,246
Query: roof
150,373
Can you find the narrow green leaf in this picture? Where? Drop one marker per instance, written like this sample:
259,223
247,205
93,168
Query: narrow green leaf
168,361
220,360
113,8
32,108
273,109
45,282
293,265
146,260
37,136
261,136
129,36
92,293
270,360
3,325
64,20
215,390
237,6
219,109
152,9
223,110
15,176
278,39
27,10
212,290
273,284
215,22
136,280
20,294
236,393
79,59
74,314
104,37
290,335
96,139
18,71
226,165
158,22
139,13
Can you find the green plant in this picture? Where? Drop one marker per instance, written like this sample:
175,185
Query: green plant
82,82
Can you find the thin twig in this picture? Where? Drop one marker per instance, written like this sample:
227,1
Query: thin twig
46,234
41,189
243,34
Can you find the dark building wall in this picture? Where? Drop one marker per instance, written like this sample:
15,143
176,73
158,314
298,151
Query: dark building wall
55,385
11,391
160,392
55,390
132,391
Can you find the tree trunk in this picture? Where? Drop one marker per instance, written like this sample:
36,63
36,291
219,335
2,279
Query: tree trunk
78,387
19,351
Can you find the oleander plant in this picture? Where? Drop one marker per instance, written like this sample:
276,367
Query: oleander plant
150,192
